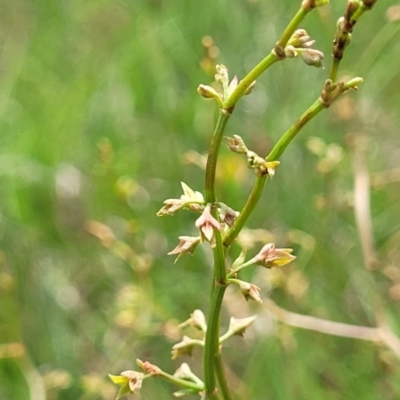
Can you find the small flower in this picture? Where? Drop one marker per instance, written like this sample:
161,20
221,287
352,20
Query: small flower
270,166
270,257
248,290
184,372
190,199
232,86
226,214
237,326
185,347
222,75
207,223
148,368
236,144
191,196
187,245
197,319
290,51
170,207
254,160
129,382
209,92
311,57
300,38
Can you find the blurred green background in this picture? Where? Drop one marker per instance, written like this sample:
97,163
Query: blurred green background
100,121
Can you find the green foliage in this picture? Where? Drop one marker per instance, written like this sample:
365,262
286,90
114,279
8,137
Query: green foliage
98,104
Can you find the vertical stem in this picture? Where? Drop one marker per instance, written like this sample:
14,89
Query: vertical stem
334,69
209,185
221,380
211,346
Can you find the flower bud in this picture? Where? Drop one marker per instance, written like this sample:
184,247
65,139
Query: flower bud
170,207
290,51
148,368
197,319
248,290
299,37
312,57
227,215
185,347
184,372
239,326
232,86
254,160
187,245
209,92
236,144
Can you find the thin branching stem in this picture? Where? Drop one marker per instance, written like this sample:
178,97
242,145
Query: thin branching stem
290,134
261,67
181,382
269,60
292,26
274,155
248,208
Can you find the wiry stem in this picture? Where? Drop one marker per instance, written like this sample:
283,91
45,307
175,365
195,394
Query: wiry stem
211,347
209,185
274,155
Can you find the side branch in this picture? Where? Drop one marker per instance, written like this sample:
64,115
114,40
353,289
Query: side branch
381,334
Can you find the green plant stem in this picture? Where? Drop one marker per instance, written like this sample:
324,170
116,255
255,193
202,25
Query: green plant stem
292,26
209,185
289,135
261,67
221,380
248,208
211,347
181,382
334,69
212,360
361,10
270,59
274,155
